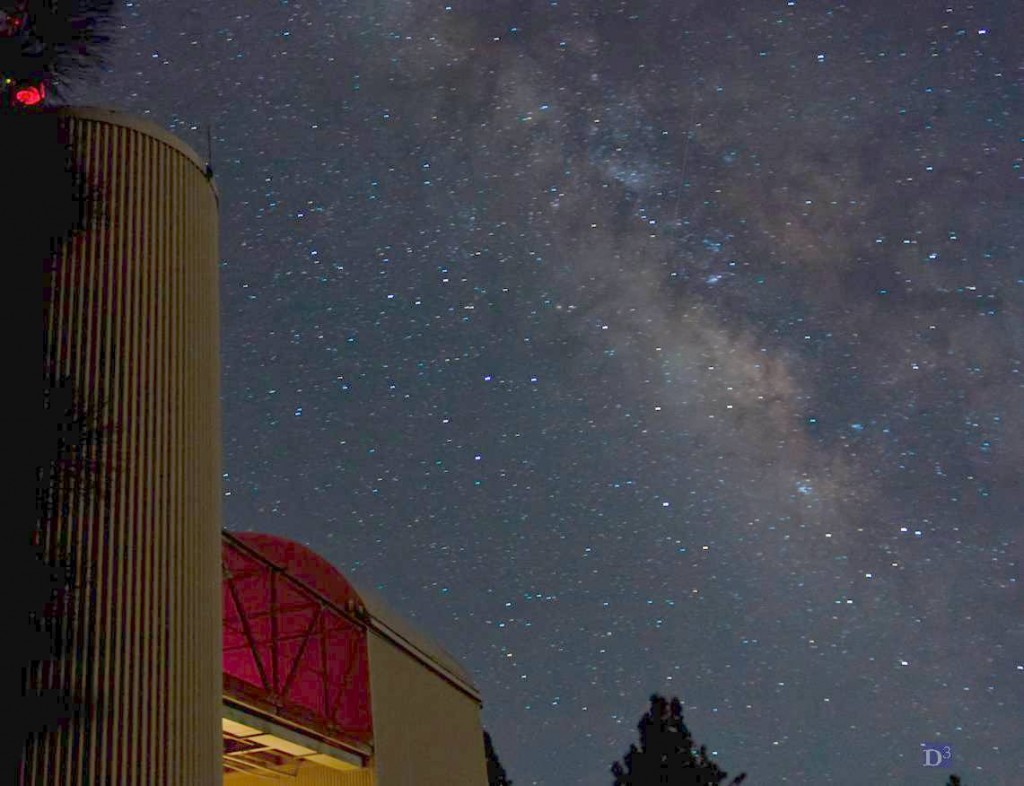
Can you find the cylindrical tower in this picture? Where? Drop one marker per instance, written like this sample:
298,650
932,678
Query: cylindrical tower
133,324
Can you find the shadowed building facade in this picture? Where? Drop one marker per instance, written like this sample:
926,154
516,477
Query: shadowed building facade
324,685
132,322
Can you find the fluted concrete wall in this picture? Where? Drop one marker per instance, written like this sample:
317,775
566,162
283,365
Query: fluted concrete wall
134,323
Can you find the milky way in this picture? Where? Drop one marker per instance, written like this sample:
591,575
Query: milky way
634,347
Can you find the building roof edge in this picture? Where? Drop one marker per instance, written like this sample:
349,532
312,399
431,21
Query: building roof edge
141,124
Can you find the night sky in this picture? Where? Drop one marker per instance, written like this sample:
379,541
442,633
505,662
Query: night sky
633,346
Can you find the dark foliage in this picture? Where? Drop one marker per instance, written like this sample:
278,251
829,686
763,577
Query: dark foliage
63,451
54,41
954,780
43,199
495,772
667,755
44,204
48,578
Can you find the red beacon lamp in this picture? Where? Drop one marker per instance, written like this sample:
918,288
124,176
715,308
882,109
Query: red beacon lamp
20,93
26,94
30,95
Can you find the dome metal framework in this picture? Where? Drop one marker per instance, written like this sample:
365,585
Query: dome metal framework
295,640
320,673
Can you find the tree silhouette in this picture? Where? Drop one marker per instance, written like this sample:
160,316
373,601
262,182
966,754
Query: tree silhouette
667,756
954,780
495,772
44,203
46,45
65,478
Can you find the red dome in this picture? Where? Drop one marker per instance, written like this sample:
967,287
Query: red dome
293,646
304,564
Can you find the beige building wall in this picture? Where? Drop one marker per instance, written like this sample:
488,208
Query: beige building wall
134,322
426,731
305,775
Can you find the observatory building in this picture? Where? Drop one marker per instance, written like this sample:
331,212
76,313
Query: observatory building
324,685
197,656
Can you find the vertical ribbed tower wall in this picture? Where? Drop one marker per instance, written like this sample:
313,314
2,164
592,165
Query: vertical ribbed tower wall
134,323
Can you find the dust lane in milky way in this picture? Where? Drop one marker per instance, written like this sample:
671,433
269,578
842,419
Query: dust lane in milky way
634,347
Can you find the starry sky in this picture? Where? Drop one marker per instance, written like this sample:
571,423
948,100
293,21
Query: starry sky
636,346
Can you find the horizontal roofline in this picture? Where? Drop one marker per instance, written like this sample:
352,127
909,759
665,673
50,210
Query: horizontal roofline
383,621
407,637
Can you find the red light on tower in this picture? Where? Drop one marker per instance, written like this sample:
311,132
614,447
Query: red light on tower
30,95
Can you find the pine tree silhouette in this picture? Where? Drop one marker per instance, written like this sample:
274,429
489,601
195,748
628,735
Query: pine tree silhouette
495,772
667,755
44,203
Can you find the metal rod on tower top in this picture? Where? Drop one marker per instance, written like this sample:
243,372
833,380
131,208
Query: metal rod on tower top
209,149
